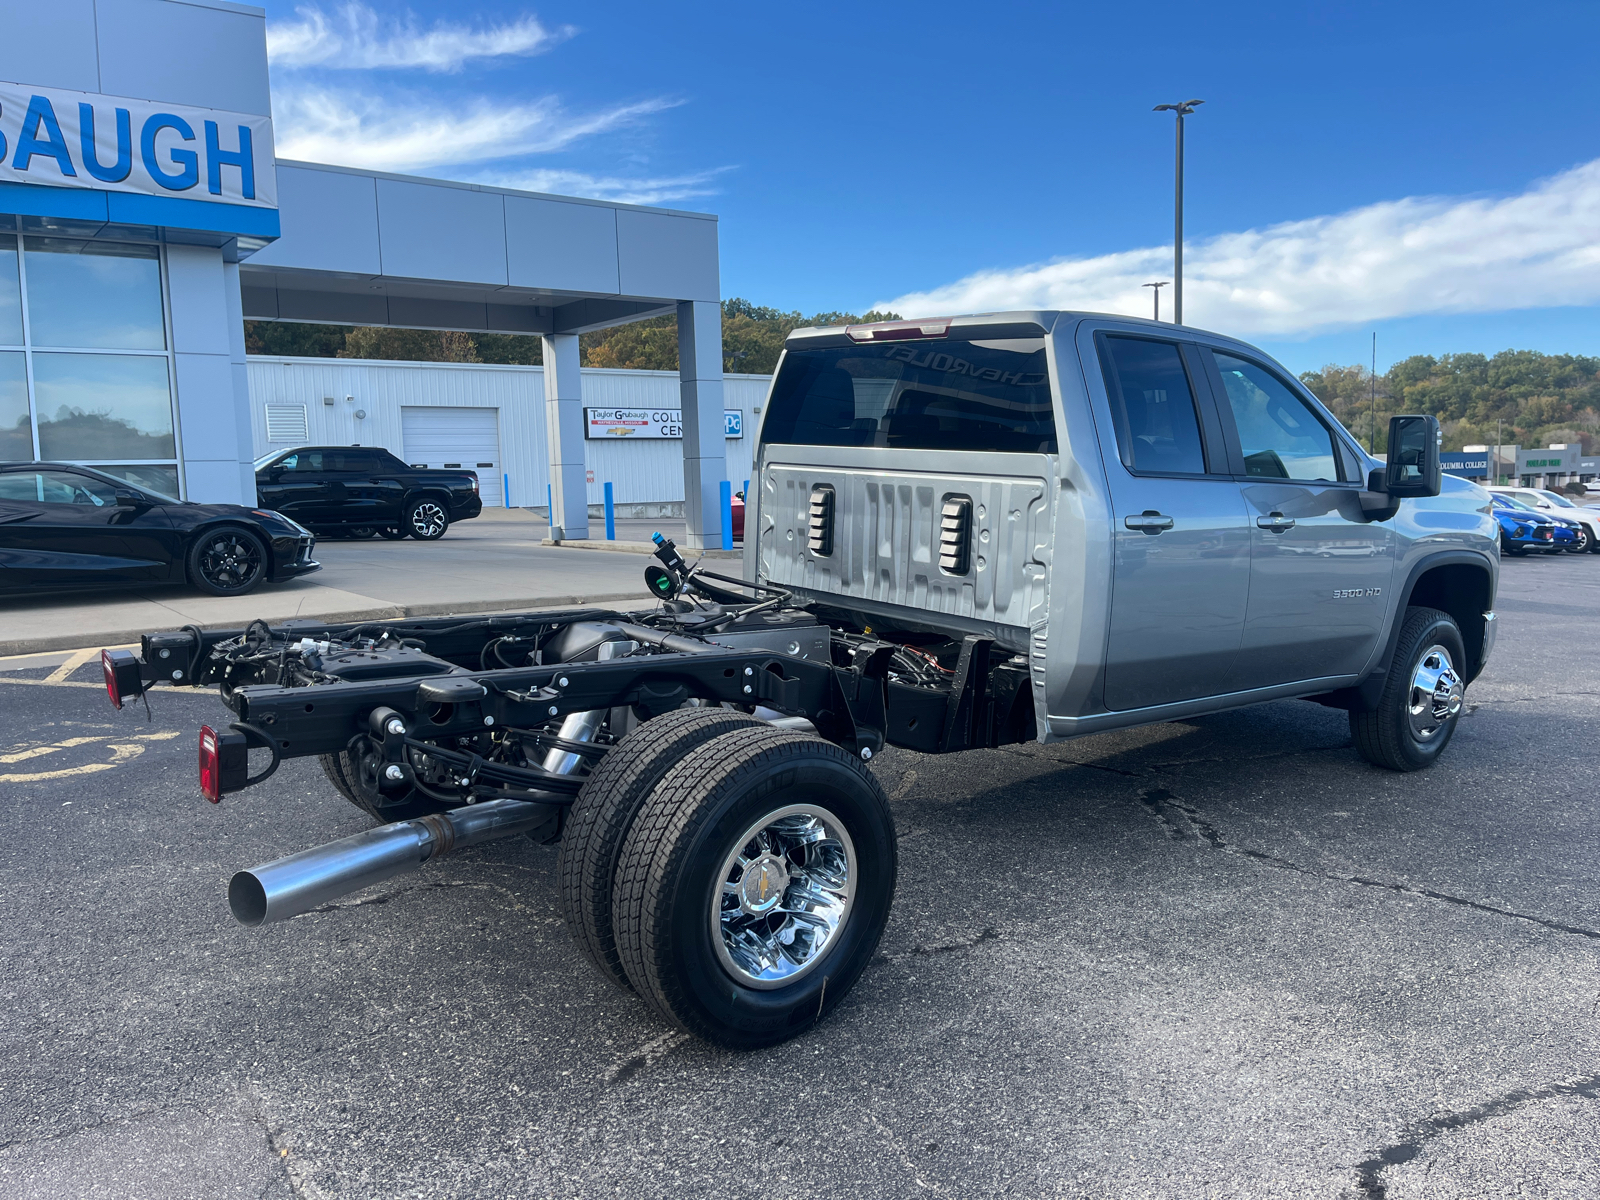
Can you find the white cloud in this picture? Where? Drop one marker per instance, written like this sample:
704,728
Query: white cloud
1536,249
387,133
356,37
609,187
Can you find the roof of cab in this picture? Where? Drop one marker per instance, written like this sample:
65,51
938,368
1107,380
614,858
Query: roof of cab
1033,322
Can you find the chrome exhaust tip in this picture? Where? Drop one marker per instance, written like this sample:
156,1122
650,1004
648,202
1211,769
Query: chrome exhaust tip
300,883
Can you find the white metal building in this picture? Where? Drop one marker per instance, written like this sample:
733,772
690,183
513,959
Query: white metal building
485,418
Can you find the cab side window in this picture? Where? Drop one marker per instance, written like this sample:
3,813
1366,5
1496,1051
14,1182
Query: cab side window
1158,427
304,460
1279,434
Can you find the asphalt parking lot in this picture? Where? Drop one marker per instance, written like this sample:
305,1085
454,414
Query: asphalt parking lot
1222,957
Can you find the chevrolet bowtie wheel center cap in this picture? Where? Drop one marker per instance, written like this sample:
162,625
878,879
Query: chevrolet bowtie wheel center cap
762,885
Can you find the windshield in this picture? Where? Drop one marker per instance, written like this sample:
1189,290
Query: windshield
946,395
1555,498
111,474
1516,501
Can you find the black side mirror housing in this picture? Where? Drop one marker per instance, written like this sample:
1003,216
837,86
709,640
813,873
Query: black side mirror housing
130,500
1413,457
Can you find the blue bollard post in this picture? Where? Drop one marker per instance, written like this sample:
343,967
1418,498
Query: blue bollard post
611,515
550,508
505,490
725,502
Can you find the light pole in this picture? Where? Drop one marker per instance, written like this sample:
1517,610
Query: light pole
1156,294
1184,109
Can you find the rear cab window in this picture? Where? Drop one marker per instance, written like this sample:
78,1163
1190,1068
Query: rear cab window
1152,407
979,396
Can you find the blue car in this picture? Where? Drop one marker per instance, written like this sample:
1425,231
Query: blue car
1522,529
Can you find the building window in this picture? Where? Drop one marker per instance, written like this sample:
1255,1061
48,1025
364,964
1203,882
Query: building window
85,369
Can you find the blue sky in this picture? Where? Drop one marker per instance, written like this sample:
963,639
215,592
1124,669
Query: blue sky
1421,170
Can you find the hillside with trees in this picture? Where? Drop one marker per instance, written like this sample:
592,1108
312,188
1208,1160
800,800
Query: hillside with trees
752,339
1538,399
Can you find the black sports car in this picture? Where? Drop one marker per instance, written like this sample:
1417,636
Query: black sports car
63,526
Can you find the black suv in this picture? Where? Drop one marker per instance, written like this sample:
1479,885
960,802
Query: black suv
364,490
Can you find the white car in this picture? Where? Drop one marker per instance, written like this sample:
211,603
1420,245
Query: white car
1553,504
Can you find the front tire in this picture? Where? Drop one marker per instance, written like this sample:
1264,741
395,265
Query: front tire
754,886
227,562
426,520
391,533
1417,714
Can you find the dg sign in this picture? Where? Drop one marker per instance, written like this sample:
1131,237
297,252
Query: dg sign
86,140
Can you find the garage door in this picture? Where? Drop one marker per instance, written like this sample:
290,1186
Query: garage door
466,439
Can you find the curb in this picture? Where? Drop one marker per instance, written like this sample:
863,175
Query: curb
122,637
637,548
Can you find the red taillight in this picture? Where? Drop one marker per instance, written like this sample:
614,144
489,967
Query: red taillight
110,671
121,670
210,765
474,482
899,331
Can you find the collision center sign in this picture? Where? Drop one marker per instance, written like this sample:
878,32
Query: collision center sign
86,140
616,424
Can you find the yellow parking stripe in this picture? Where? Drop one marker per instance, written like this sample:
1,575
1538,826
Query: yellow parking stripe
59,675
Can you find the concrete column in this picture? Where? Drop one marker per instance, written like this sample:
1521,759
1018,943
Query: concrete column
563,423
705,462
210,380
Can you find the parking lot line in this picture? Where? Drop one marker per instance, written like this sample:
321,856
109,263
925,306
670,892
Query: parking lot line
73,661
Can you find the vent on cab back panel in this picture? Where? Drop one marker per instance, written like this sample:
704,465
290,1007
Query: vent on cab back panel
820,531
955,535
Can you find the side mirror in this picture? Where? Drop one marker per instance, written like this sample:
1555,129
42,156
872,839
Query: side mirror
129,500
1413,457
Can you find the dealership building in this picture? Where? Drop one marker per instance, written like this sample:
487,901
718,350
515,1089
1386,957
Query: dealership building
144,218
1523,466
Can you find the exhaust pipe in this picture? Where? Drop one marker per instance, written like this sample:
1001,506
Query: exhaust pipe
279,890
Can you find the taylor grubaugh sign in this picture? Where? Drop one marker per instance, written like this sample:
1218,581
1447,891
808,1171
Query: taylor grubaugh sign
83,139
615,424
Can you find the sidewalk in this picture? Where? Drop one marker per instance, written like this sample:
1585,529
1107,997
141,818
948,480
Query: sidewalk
493,563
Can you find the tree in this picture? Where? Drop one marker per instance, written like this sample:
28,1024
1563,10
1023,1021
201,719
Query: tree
1529,398
410,345
293,340
752,338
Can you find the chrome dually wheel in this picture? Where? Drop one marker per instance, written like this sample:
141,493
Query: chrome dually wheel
786,893
1436,693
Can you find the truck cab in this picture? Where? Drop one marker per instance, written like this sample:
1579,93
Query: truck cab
1156,521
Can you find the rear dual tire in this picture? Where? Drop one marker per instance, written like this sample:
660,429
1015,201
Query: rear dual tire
751,887
605,810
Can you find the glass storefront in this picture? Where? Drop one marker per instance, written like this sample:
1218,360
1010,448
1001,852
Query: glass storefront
85,369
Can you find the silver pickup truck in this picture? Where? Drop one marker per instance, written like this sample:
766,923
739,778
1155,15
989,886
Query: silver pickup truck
1163,521
964,533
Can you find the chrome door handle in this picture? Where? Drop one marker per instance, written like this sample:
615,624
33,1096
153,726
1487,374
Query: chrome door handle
1149,521
1275,523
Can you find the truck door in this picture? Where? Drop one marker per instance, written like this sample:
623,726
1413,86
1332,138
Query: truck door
1320,572
1181,567
297,486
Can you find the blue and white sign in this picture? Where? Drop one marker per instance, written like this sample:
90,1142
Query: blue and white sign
86,140
648,423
